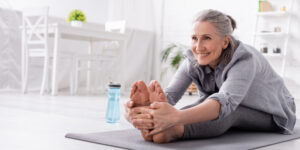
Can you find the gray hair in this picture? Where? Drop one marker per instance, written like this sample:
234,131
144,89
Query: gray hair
224,25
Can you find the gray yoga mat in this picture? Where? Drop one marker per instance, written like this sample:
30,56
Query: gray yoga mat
232,140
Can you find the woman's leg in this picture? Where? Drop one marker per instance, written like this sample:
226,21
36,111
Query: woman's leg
242,118
254,120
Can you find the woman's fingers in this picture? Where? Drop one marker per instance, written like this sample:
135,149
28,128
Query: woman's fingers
144,128
142,124
142,116
155,131
129,104
141,110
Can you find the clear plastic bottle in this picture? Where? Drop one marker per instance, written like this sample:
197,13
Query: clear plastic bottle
113,107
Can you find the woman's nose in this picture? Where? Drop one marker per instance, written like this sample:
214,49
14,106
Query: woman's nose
198,46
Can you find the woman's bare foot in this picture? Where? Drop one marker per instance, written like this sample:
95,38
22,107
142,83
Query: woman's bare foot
173,133
156,95
156,92
139,94
169,135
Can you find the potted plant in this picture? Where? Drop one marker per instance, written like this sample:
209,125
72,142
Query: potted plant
76,18
173,54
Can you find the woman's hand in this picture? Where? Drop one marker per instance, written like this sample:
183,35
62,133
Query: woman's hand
128,106
140,117
164,116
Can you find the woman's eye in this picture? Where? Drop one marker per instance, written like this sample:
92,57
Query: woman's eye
194,38
206,38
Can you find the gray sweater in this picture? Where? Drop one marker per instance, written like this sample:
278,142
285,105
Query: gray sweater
247,80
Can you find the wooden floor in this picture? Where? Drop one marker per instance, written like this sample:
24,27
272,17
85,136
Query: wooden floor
34,122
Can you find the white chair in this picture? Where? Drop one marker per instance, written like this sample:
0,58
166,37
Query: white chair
35,34
105,58
115,26
35,43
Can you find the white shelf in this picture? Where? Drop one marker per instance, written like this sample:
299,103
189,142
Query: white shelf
277,34
272,13
274,55
282,37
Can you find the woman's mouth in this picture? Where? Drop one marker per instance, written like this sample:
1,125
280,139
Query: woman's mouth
203,54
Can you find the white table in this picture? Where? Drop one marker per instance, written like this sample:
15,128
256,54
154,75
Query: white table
84,33
139,55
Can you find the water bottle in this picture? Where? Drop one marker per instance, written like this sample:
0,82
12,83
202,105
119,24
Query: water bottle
113,107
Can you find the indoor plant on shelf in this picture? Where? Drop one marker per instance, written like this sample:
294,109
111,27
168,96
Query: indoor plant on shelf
173,53
76,18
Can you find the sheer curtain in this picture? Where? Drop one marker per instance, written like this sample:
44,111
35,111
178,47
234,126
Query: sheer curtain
144,28
139,14
10,46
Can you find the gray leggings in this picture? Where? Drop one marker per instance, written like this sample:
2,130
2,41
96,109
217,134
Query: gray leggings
243,118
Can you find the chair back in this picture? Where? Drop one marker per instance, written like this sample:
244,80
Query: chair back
115,26
35,28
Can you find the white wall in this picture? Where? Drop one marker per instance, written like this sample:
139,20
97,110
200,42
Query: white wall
177,26
95,10
177,17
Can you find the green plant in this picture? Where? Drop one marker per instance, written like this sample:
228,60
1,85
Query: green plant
76,14
174,54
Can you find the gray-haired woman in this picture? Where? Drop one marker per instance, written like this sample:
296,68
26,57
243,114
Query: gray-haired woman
237,88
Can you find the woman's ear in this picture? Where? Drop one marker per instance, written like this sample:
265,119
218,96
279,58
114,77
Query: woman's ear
226,42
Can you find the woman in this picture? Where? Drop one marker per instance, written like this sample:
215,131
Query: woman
237,88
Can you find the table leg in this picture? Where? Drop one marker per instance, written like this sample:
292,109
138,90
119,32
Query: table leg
24,63
88,79
123,65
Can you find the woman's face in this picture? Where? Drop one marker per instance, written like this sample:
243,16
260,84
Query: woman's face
207,45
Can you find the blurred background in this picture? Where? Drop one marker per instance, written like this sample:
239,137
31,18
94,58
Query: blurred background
58,56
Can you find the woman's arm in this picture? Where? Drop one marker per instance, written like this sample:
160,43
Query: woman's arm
179,84
166,116
205,111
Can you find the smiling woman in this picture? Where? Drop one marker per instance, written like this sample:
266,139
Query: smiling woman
207,46
238,89
211,38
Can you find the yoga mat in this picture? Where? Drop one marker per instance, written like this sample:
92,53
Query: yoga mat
232,140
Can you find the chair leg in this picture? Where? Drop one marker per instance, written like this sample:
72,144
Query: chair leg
45,75
24,57
88,79
48,80
25,72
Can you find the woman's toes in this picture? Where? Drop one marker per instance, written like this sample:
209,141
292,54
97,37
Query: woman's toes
158,87
142,87
162,97
139,93
133,89
152,86
156,92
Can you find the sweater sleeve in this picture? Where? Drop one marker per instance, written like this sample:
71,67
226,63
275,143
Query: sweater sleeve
179,84
234,89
